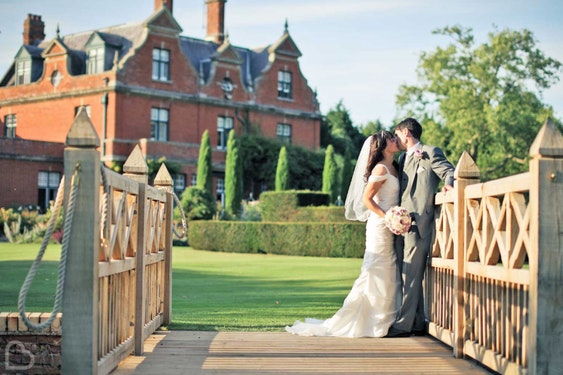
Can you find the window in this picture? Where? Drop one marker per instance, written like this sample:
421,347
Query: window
283,133
86,107
284,84
95,60
179,184
194,179
224,126
221,191
159,124
47,183
10,126
23,72
160,64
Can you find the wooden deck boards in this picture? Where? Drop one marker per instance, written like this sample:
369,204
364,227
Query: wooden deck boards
233,353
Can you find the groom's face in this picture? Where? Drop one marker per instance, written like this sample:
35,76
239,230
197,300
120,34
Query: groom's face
401,135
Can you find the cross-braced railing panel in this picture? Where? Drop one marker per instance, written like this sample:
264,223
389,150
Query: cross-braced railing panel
497,246
155,220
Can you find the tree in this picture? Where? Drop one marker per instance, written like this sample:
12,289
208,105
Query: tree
204,166
338,130
198,204
346,175
482,99
282,171
330,174
233,177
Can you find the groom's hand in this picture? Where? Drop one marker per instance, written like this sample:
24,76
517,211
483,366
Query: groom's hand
447,188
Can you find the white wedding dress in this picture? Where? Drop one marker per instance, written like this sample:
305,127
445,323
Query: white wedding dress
372,304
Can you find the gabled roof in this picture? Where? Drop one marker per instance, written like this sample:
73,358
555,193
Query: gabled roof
126,38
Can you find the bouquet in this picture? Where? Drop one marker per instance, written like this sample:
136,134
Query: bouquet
398,220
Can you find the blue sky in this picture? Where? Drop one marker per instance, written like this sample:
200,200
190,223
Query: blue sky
359,51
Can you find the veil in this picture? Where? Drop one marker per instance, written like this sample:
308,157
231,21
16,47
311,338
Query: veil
354,208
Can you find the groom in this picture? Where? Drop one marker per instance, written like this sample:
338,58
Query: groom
421,168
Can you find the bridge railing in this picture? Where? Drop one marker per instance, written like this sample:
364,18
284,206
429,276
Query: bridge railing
118,269
496,263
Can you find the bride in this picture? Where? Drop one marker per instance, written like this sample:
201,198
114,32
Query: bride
372,303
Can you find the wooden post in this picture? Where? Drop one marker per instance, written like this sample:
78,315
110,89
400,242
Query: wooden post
466,173
136,168
80,300
545,338
164,181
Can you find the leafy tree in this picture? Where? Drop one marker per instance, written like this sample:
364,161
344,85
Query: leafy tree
282,171
338,130
233,177
483,99
204,165
330,174
372,127
346,175
260,156
198,204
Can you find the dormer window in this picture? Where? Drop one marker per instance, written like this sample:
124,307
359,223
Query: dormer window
23,72
284,84
96,58
161,64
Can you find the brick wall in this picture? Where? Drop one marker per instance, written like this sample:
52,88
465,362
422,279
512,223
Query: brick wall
25,352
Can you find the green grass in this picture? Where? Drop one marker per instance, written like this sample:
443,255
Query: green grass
211,290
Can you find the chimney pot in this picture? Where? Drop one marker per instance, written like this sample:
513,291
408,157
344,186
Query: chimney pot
33,30
163,3
215,20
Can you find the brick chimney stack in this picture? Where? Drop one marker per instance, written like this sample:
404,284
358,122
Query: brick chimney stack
33,30
163,3
215,20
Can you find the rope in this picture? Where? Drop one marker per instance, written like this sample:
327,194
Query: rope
62,262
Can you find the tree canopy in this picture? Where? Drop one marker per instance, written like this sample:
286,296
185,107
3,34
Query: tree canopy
484,99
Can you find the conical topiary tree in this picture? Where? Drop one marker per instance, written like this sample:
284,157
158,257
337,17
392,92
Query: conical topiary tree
346,175
282,171
233,177
204,166
330,174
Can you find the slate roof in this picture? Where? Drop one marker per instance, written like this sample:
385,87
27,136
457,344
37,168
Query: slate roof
126,37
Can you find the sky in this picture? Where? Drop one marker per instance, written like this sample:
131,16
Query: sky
355,51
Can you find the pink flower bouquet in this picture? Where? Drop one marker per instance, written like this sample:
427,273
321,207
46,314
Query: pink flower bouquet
398,220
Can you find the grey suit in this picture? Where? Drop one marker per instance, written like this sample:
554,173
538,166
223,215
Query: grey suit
419,180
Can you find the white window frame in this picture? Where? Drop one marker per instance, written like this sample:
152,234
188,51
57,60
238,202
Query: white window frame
161,64
283,132
224,125
160,122
23,72
284,84
96,59
10,124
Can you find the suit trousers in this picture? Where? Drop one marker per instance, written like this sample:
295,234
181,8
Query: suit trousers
412,256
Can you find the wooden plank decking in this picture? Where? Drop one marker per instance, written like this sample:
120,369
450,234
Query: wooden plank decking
232,353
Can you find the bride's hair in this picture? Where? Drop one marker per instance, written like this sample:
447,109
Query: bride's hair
377,145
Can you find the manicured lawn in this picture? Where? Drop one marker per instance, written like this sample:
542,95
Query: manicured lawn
211,290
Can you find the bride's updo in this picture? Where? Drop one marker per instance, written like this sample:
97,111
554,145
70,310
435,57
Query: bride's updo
378,143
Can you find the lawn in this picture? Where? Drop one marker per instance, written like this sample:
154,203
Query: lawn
211,290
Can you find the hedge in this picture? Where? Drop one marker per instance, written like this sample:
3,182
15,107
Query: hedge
331,239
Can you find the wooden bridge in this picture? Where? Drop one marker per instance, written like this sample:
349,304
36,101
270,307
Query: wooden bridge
492,286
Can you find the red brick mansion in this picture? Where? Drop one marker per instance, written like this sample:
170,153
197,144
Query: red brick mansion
143,83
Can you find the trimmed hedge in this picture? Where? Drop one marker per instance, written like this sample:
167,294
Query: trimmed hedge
346,240
284,205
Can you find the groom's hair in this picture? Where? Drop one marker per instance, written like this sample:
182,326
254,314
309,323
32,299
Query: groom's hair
414,127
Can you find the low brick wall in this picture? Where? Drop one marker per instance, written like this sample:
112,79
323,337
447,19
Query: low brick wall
29,352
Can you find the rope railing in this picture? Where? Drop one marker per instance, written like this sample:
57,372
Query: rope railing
75,181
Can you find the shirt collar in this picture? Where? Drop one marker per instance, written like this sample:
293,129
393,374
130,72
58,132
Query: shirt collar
411,149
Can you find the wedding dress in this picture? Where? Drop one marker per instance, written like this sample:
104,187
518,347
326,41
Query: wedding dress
372,304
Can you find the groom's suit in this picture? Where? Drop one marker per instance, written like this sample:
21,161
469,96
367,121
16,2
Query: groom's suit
419,179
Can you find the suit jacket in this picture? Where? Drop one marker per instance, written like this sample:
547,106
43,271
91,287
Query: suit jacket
418,183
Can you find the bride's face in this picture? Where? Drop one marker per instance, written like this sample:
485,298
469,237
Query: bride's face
392,145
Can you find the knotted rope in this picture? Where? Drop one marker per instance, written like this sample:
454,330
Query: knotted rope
62,262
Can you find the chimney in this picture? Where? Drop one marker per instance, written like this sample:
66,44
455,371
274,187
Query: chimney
162,3
215,20
33,30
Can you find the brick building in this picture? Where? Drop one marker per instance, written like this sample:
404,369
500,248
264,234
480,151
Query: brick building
145,84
